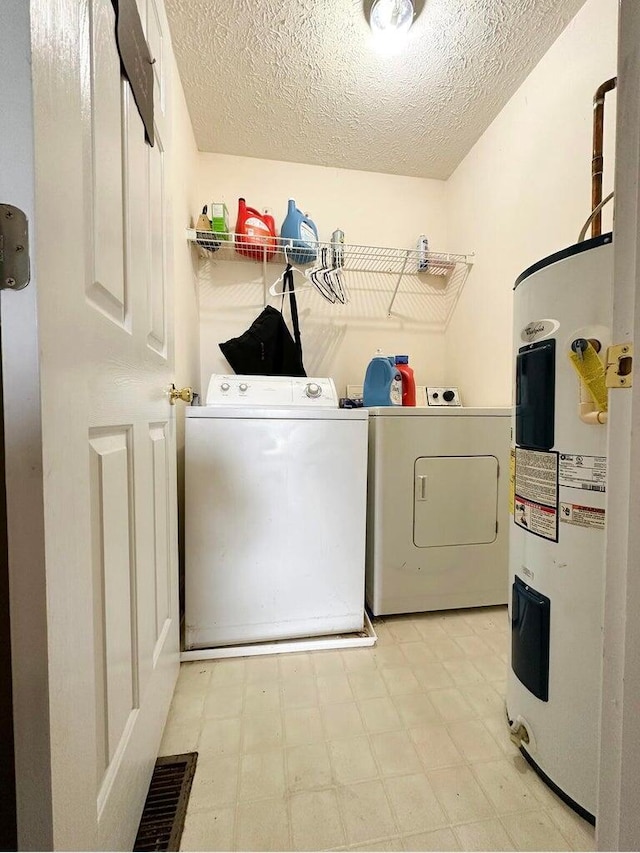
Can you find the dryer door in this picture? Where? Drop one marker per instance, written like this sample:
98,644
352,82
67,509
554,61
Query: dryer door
455,500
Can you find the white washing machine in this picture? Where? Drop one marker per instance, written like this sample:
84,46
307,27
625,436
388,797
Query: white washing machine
438,508
275,512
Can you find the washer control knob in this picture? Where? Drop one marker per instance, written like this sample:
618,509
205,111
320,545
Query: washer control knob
243,387
449,396
225,386
313,390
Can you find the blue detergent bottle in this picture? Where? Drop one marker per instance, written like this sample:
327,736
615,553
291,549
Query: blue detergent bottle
382,382
303,234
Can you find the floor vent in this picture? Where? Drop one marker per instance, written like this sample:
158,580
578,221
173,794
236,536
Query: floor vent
164,811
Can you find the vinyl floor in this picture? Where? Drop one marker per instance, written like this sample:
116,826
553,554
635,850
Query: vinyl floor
403,746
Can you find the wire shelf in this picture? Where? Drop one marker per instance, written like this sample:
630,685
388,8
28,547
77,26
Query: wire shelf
374,259
439,276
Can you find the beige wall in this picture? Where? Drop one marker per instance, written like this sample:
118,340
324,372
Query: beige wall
371,209
523,192
184,158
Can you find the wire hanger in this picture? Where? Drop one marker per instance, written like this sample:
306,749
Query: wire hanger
339,283
318,277
327,280
273,290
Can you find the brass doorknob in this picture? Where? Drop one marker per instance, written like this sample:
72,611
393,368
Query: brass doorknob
184,394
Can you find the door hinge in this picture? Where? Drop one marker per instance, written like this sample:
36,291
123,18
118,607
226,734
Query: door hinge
620,366
14,248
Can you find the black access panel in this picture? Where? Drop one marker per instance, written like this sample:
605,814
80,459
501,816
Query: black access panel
535,395
530,628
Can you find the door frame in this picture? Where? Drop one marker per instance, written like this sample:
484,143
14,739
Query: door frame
8,818
618,825
23,448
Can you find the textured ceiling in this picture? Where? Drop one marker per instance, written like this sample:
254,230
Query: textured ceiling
300,80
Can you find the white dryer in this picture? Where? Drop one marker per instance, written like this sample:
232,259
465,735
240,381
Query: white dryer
275,512
438,508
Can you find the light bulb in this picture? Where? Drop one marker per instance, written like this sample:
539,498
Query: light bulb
391,16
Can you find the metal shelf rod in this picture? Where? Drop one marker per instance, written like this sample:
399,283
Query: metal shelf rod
395,292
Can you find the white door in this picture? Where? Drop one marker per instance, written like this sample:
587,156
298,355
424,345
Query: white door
104,311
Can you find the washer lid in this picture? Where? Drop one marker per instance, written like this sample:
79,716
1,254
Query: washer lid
282,413
439,412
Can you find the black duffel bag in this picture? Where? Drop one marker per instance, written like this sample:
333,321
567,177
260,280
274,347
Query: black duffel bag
267,348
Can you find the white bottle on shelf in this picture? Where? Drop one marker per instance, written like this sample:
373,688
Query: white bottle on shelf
337,245
423,253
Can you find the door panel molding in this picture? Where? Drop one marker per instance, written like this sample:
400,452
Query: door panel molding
107,284
157,434
155,38
156,337
115,606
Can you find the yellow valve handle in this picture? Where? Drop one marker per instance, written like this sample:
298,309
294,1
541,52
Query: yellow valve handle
592,373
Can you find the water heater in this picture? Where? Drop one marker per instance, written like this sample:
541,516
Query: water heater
562,306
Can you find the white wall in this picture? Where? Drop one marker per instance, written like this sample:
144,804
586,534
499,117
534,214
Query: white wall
524,192
186,312
372,209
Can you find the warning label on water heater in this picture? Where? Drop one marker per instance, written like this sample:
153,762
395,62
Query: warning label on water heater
537,476
536,492
512,481
583,472
582,516
536,518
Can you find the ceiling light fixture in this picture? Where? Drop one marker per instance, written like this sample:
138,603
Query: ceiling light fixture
391,17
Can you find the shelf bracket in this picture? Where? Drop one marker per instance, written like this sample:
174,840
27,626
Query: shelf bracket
395,292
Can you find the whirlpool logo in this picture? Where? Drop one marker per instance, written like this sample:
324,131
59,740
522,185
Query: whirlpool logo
538,329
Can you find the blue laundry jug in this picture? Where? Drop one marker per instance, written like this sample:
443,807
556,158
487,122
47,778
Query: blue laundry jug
302,233
382,383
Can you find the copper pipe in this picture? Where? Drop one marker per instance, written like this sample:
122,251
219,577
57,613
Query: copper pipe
598,144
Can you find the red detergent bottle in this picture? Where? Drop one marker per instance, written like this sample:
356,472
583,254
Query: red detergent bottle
408,381
254,233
